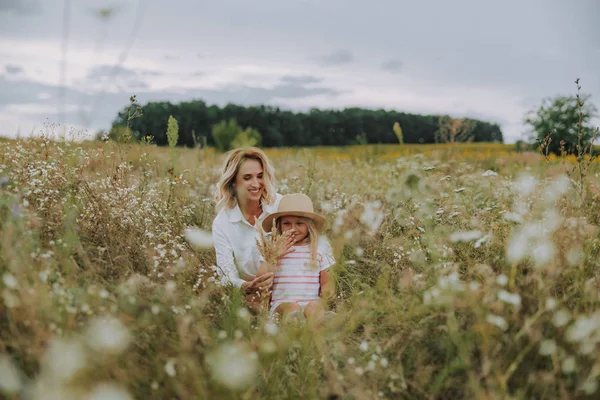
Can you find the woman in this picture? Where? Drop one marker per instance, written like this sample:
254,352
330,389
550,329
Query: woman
245,196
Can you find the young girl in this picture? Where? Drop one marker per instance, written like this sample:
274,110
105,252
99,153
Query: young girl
301,279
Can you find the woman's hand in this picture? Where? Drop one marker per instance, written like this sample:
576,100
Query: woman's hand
257,291
259,284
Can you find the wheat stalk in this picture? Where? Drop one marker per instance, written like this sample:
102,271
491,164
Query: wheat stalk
269,245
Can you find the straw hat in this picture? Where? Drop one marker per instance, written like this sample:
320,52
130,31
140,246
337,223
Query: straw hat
299,205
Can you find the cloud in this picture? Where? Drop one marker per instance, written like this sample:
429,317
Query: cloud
339,57
393,65
300,79
20,7
13,69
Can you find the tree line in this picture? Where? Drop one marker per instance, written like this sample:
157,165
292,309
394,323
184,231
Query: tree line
277,127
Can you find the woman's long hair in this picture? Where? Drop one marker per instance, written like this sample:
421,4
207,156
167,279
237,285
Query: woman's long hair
225,194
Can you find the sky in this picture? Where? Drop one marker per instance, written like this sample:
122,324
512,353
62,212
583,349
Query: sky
76,63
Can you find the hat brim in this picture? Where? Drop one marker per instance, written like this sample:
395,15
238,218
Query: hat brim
319,220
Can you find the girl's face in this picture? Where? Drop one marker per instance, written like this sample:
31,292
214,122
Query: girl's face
297,225
249,184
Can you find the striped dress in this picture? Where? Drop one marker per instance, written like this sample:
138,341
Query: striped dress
295,279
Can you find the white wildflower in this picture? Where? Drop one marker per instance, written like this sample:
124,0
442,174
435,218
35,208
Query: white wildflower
517,248
474,286
429,168
359,370
502,280
372,215
462,189
489,173
199,238
10,300
384,362
107,334
525,184
574,257
558,188
465,236
550,303
351,360
364,346
170,368
10,381
233,365
109,391
583,328
64,358
510,298
514,217
543,252
9,280
498,321
547,347
561,318
243,312
271,328
568,365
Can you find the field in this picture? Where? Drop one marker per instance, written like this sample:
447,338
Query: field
463,271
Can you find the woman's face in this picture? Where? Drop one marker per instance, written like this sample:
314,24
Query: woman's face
297,225
249,184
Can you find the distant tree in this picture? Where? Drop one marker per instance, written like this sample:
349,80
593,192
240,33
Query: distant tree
229,134
452,130
247,138
562,121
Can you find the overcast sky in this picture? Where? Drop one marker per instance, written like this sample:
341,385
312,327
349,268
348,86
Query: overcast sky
488,60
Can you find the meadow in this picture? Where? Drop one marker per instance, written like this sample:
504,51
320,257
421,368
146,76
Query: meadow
463,271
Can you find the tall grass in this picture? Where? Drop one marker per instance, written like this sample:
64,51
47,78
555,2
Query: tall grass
458,276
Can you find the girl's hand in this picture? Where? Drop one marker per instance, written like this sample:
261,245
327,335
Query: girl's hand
288,240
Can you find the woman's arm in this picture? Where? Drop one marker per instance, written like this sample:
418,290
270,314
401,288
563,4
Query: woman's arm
226,267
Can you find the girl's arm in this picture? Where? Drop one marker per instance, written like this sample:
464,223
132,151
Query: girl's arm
327,286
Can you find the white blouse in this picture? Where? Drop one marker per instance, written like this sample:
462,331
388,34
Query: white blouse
234,239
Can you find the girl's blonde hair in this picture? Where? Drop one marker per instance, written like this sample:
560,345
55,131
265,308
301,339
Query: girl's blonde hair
313,237
225,194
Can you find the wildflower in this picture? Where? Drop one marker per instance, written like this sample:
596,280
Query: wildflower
550,303
465,236
3,181
364,346
502,280
155,309
233,365
199,238
384,362
517,248
561,318
462,189
170,368
498,321
568,365
107,334
271,328
510,298
543,253
10,381
372,215
9,280
64,358
547,347
574,257
243,313
525,184
351,360
583,328
489,173
359,371
109,391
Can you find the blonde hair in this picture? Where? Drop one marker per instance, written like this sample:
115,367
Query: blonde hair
313,237
225,194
